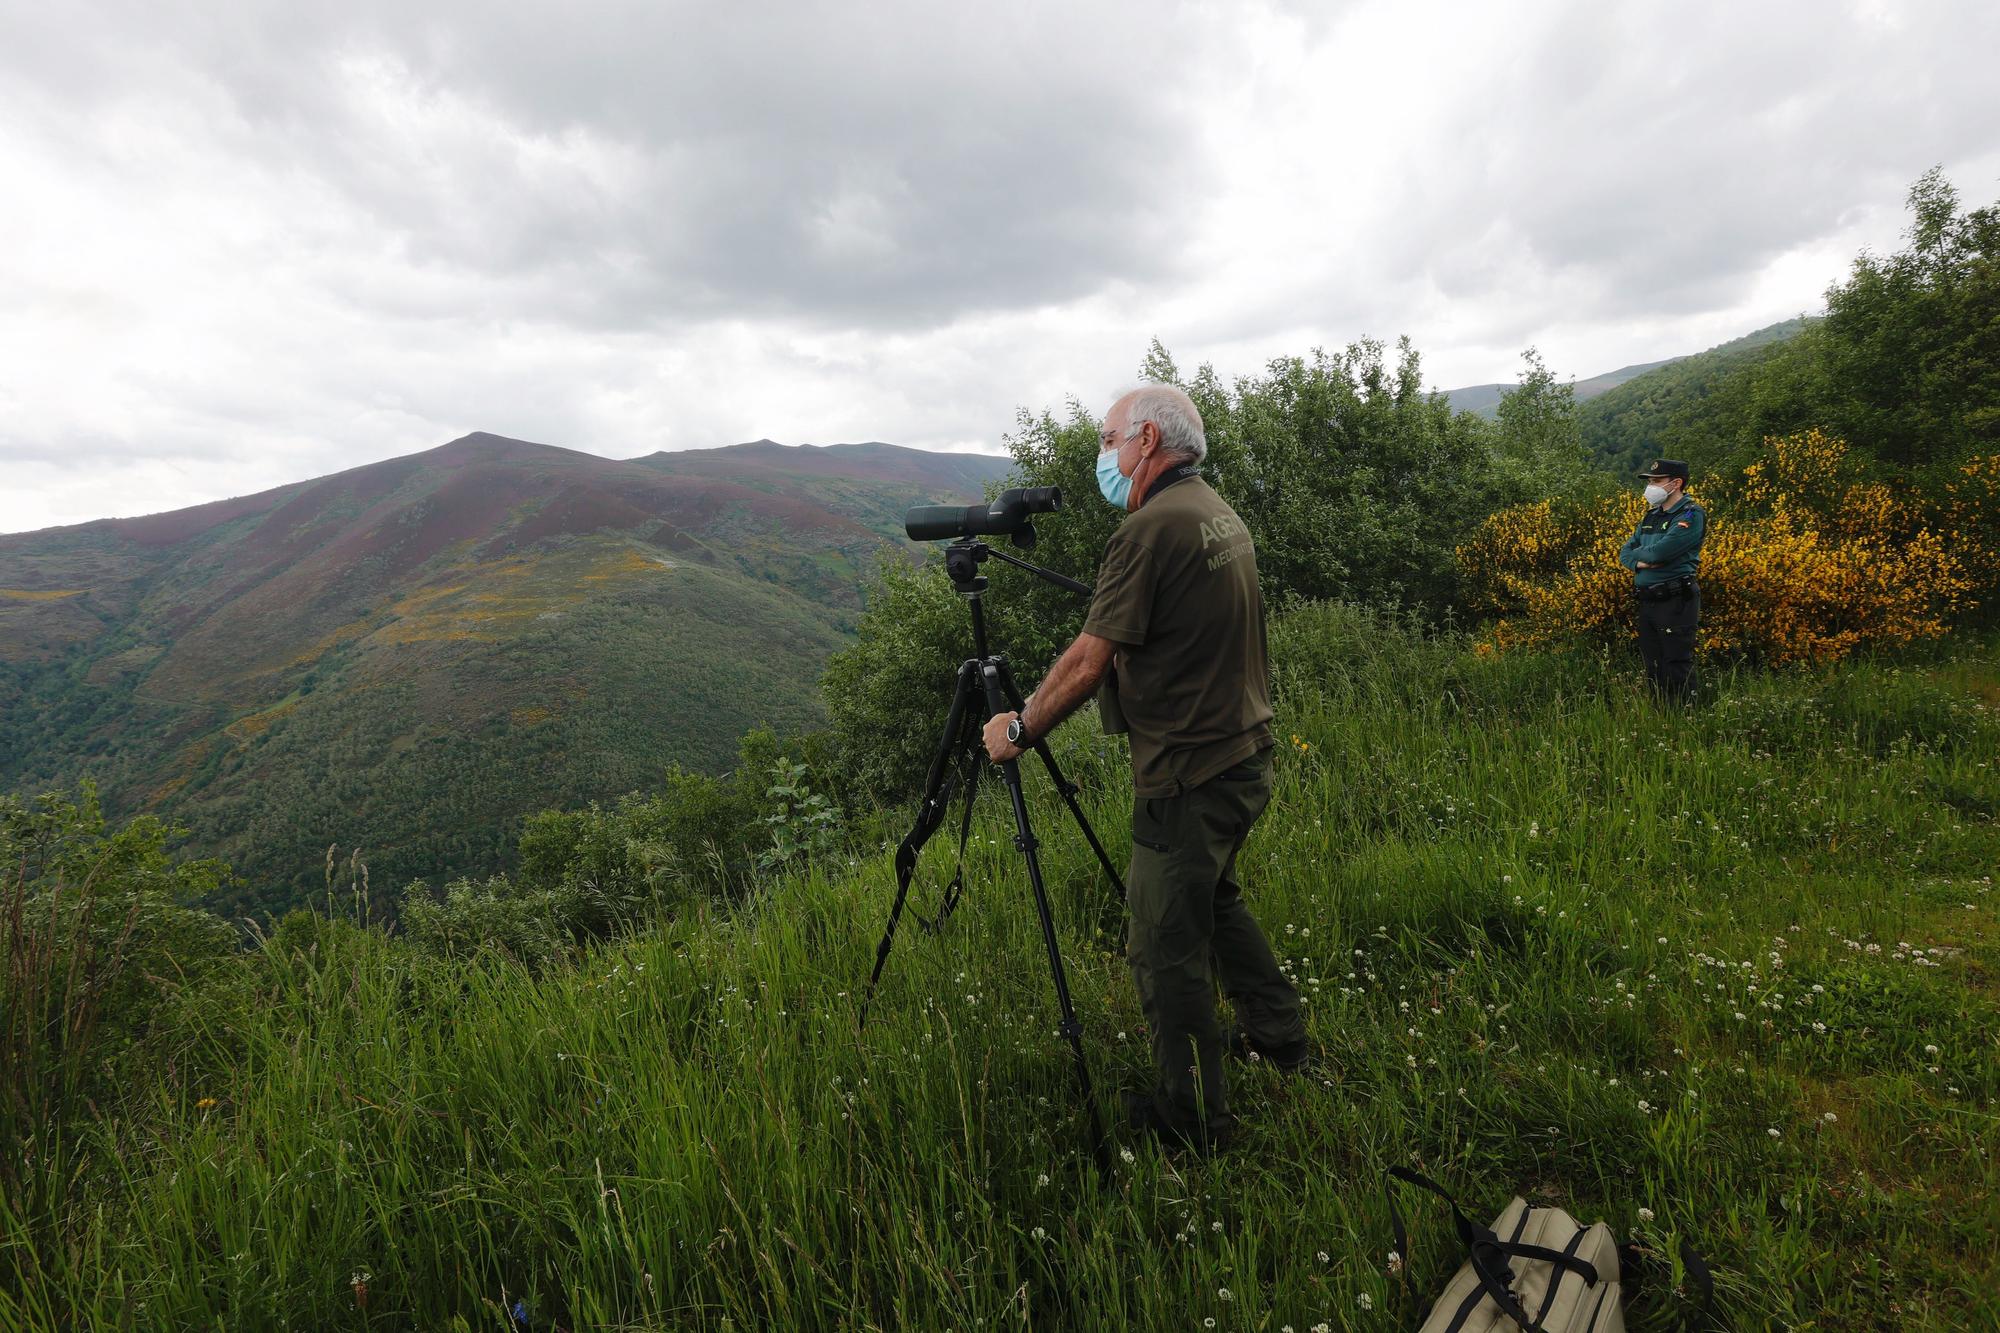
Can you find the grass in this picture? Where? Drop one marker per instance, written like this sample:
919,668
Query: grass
1739,973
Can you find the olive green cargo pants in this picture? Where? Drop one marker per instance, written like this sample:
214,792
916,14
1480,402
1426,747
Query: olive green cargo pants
1186,909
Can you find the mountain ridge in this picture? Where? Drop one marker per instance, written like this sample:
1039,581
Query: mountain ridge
1484,399
483,628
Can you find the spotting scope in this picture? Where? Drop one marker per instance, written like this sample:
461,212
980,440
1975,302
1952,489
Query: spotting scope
1007,516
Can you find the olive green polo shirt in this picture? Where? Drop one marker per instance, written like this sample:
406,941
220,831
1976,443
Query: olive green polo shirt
1178,593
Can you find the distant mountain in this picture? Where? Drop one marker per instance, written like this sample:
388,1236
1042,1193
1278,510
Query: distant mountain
1484,399
409,655
1687,408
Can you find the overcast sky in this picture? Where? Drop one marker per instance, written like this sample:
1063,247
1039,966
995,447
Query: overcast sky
246,244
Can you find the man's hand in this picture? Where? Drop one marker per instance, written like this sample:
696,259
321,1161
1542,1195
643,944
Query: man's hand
1069,682
998,748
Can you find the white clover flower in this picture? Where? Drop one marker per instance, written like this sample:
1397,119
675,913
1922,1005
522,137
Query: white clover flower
1365,1301
1645,1214
1039,1234
1222,1294
1773,1132
1829,1117
1042,1181
1126,1154
1930,1050
1323,1257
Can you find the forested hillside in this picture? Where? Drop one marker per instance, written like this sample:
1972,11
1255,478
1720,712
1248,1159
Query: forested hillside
1688,408
1484,399
411,655
1904,366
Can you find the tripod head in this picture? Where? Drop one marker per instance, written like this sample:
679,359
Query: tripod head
963,557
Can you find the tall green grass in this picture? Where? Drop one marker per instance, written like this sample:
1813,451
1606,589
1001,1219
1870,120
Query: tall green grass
1735,969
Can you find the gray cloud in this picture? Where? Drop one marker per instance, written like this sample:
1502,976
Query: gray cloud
264,242
1650,161
637,164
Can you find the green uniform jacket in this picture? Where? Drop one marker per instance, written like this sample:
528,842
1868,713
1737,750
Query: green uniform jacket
1669,541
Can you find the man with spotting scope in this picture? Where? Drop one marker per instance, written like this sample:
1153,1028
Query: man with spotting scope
1178,612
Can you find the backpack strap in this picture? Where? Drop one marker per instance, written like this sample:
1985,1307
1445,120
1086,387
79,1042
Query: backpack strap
1700,1278
1486,1252
1647,1266
1562,1259
968,782
1468,1233
1555,1286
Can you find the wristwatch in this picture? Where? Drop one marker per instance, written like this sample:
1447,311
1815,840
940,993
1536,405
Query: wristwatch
1017,735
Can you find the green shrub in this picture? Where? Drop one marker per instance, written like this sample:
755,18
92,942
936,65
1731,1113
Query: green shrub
589,874
99,946
536,927
804,825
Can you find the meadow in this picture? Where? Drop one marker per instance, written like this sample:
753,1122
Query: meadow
1726,977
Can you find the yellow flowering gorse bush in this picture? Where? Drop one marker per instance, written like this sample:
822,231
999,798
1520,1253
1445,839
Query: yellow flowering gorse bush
1805,559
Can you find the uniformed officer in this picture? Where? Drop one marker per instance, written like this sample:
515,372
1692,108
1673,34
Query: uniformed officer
1178,611
1663,555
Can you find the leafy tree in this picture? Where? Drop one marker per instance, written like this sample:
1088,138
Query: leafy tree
1538,447
1912,341
1354,480
1905,365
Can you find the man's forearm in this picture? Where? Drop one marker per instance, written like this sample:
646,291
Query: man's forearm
1672,547
1073,679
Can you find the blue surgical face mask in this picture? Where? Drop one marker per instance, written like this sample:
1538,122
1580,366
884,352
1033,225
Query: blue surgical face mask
1115,486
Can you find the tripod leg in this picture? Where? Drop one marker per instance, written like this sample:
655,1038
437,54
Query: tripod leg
1024,838
930,814
1064,787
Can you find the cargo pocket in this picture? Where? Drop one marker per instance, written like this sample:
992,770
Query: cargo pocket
1152,822
1149,887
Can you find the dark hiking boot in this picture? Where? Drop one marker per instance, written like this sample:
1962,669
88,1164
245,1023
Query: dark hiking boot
1286,1060
1143,1114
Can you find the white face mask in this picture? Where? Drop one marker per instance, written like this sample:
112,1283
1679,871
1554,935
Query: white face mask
1656,495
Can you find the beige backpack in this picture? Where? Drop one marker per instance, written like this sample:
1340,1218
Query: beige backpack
1535,1270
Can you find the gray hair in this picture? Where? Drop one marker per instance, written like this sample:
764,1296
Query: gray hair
1179,420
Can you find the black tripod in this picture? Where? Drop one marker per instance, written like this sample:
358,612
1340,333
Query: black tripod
986,675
